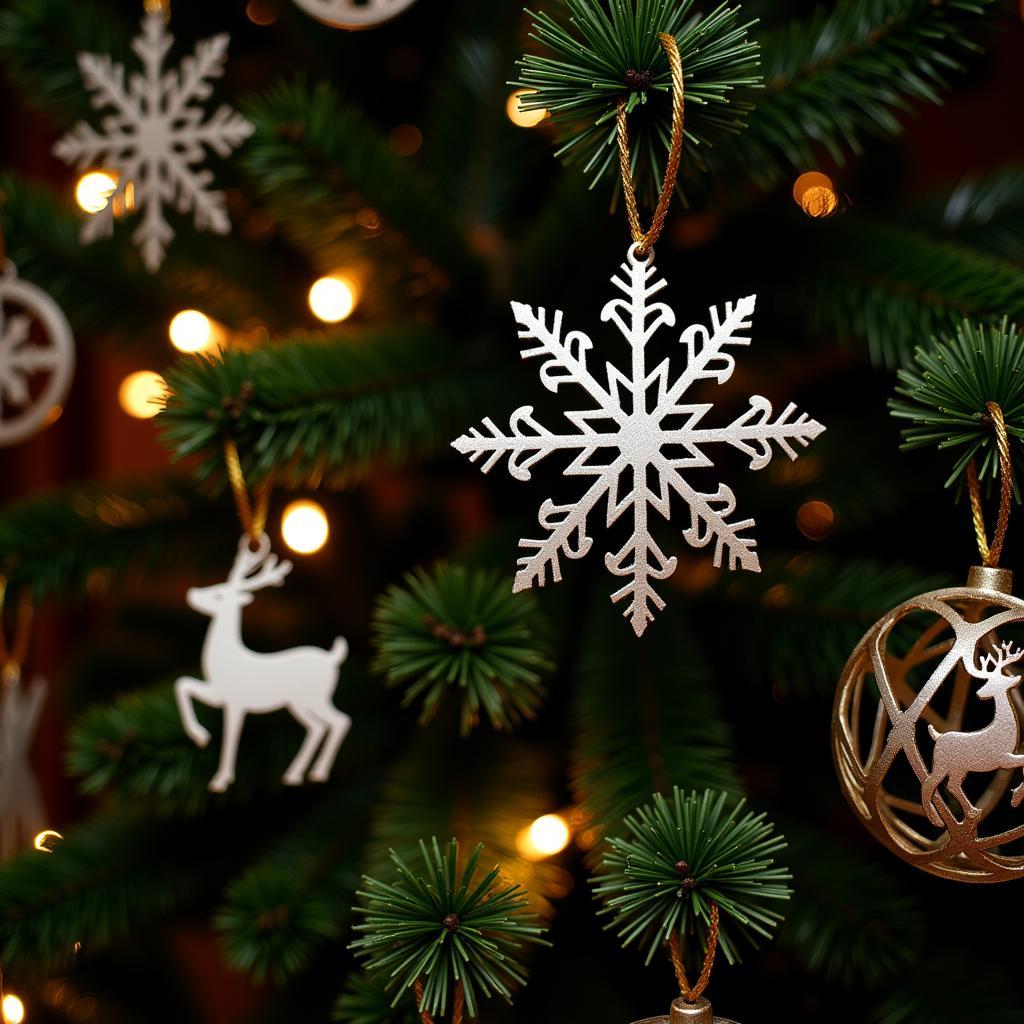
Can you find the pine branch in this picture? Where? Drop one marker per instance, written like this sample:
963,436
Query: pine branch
47,75
464,631
106,880
848,73
849,920
57,543
318,161
366,1001
811,612
226,277
296,898
484,789
984,213
135,749
945,396
446,928
613,55
681,854
310,410
670,732
896,287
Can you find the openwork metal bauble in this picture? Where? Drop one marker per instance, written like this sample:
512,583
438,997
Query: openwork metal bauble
354,14
926,730
699,1012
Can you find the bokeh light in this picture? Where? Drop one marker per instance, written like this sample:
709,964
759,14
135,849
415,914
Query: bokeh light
815,194
332,299
141,394
94,189
304,527
523,118
816,519
547,836
191,331
13,1009
47,840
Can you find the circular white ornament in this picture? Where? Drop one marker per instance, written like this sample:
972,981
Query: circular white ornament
23,412
353,14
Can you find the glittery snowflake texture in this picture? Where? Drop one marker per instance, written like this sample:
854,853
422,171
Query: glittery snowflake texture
155,137
624,445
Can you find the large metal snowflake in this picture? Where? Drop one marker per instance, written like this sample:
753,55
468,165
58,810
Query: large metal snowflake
640,432
155,137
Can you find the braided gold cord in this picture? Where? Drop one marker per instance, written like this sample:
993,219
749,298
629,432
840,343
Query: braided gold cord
692,993
645,239
992,553
458,1003
13,656
253,514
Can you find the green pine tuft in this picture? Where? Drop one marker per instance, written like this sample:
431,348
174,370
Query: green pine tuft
681,854
463,630
586,75
945,396
444,927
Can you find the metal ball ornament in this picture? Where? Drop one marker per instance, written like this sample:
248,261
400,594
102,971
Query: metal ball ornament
926,730
354,14
682,1012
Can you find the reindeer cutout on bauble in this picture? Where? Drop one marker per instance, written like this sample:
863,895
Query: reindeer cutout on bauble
242,682
990,749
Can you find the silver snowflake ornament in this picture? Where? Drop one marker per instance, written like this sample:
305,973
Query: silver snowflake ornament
155,137
638,440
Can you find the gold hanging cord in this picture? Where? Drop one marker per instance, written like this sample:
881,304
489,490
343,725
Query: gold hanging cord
158,7
13,655
252,512
991,553
458,1003
691,993
645,239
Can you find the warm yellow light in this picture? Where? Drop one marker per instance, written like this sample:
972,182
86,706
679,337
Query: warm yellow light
547,836
523,118
190,331
332,299
815,194
141,394
93,191
304,527
44,842
13,1009
816,519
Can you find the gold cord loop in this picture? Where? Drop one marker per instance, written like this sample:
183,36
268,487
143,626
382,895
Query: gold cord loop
992,553
645,239
253,514
158,7
458,1003
691,993
12,656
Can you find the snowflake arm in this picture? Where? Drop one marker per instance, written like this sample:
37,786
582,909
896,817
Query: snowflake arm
156,137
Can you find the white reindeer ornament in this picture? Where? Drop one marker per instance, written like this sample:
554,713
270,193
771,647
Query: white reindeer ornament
242,682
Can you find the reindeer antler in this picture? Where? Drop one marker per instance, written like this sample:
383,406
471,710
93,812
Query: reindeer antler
991,664
272,572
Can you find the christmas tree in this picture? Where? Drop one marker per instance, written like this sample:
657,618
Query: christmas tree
328,733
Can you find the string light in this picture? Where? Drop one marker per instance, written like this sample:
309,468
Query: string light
815,194
44,841
13,1009
332,299
94,189
304,527
518,116
140,394
191,331
547,836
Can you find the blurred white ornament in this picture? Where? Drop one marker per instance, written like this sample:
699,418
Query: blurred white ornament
25,359
22,816
242,682
354,14
154,137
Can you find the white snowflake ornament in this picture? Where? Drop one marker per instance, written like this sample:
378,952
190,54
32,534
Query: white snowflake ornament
36,367
155,138
22,815
354,14
640,429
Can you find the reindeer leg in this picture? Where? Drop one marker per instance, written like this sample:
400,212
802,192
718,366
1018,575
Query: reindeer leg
316,728
234,718
187,689
338,725
956,787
